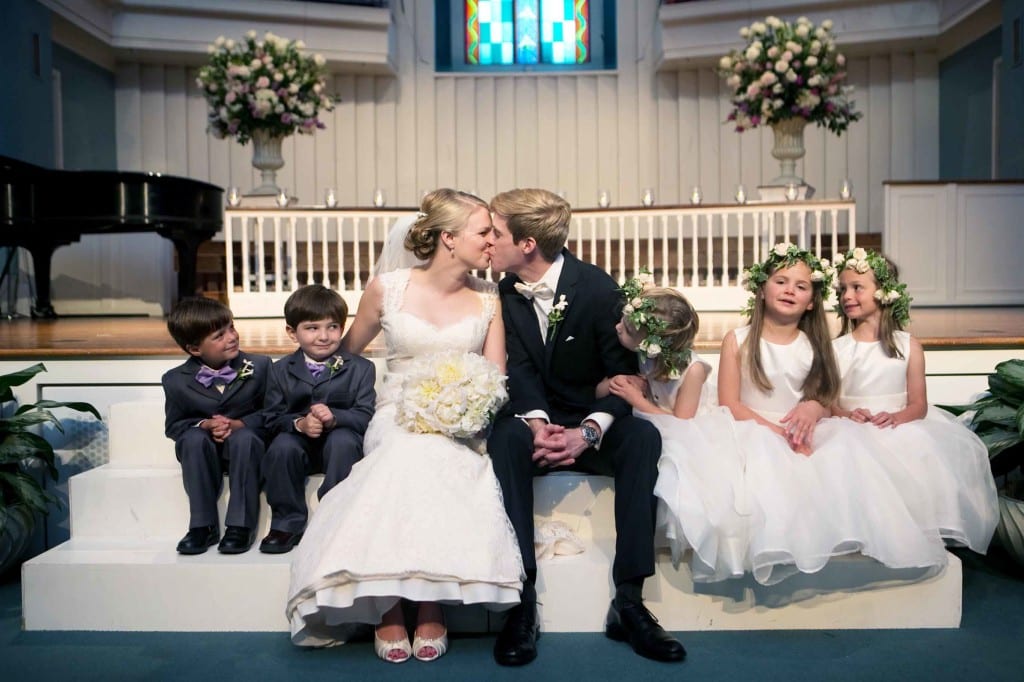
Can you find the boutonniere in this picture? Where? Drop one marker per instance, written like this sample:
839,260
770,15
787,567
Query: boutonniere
335,364
248,369
556,315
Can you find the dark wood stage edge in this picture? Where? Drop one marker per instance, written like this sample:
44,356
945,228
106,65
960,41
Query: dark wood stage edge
119,337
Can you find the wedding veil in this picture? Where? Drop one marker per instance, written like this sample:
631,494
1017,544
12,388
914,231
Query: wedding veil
394,255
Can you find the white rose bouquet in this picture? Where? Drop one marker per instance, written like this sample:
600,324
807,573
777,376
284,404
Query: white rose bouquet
788,70
452,393
263,85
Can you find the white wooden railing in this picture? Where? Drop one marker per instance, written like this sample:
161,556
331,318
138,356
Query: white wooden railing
701,250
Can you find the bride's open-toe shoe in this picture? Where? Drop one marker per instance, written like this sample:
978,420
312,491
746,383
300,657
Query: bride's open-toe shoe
392,651
430,648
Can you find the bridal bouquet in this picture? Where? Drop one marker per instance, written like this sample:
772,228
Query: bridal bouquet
454,394
788,70
263,84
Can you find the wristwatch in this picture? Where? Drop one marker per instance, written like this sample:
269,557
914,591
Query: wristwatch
591,436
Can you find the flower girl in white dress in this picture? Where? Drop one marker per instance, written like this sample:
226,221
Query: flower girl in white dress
700,477
421,517
939,465
811,497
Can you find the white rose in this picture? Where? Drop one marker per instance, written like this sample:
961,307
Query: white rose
879,295
627,309
725,62
733,81
319,60
863,266
250,34
653,350
758,27
744,33
817,276
230,44
777,103
773,52
752,53
781,248
811,61
827,24
803,30
859,253
781,66
769,78
636,302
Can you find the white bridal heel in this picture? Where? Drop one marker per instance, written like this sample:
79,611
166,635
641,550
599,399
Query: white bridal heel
438,644
386,649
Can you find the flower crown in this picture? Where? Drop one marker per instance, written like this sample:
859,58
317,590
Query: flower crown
785,255
891,292
640,311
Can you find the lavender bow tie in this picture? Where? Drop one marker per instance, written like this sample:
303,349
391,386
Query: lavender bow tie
315,368
207,376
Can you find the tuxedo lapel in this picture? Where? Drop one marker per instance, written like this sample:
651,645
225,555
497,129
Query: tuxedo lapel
567,286
235,385
189,372
298,370
521,312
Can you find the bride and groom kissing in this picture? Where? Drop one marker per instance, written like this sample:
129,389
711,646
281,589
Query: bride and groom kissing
419,519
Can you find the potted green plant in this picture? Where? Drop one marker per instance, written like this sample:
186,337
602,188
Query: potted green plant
26,461
998,419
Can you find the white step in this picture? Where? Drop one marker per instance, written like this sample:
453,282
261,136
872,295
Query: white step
120,570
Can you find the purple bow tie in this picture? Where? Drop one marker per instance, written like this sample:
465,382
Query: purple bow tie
207,376
315,368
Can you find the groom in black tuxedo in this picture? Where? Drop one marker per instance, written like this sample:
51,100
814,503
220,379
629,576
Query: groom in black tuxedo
560,316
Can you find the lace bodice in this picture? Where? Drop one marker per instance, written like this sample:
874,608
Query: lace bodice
786,367
871,379
406,335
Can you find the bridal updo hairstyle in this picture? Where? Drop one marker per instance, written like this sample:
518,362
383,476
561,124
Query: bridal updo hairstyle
443,210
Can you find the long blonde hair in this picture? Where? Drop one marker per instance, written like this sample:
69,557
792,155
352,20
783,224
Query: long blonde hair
823,380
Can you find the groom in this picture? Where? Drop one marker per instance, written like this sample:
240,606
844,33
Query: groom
560,316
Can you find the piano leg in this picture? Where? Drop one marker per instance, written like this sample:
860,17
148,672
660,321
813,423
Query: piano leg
42,254
186,243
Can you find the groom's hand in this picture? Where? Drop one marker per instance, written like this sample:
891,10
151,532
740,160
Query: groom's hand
549,443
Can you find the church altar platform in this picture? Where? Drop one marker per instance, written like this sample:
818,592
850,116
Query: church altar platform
110,562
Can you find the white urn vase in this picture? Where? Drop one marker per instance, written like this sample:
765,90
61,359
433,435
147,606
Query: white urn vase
266,157
788,148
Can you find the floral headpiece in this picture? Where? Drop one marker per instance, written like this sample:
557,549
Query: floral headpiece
785,255
891,292
640,311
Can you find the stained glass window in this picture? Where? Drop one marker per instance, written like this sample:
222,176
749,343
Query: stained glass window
507,32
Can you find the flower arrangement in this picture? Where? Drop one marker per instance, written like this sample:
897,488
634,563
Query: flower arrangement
785,255
556,315
263,84
788,71
639,312
891,292
452,393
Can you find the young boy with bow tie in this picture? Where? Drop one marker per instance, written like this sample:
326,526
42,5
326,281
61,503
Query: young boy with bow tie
319,403
213,415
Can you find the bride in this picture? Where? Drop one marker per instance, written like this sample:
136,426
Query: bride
421,517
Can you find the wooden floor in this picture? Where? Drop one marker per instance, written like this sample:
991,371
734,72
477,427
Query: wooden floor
111,337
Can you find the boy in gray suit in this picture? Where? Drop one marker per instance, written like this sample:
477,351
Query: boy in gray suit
213,415
319,403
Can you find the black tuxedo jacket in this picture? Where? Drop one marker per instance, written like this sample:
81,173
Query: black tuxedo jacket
187,402
559,375
348,392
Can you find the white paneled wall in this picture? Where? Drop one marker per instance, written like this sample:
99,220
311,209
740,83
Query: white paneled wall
621,131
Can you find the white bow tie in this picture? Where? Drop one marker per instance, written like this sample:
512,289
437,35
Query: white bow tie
537,289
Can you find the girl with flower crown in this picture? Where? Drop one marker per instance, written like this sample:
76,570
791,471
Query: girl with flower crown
939,466
808,498
699,468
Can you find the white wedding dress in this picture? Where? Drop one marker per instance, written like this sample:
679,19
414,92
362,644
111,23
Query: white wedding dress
940,466
421,517
839,500
702,501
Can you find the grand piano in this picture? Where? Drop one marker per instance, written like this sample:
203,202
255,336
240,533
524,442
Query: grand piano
43,209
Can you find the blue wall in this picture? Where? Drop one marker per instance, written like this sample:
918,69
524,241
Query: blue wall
965,110
87,91
1011,105
26,100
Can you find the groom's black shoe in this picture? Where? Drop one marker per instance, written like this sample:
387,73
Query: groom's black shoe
631,622
517,642
279,541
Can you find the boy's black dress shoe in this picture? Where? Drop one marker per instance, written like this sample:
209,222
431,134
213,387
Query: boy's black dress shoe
237,540
632,622
517,642
279,542
198,540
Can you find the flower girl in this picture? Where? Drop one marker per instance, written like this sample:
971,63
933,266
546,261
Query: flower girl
810,499
940,466
699,471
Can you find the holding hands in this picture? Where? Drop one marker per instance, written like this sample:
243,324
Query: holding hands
881,420
630,387
799,425
220,427
555,445
319,419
